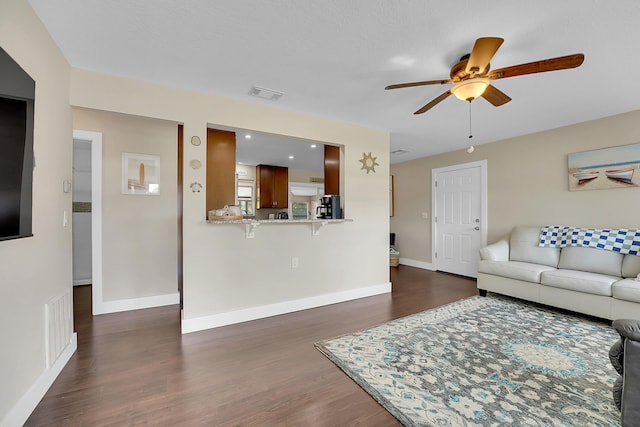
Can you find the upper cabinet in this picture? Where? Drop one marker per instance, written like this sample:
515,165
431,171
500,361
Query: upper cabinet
272,187
331,169
221,169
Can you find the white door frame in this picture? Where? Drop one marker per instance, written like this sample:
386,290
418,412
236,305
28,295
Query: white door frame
483,203
95,139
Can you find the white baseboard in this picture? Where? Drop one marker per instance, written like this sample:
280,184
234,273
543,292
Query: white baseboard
19,414
253,313
418,264
116,306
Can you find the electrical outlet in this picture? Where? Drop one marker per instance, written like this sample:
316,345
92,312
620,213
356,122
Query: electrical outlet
425,215
294,262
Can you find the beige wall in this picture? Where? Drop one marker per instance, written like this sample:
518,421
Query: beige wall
303,176
245,172
527,184
36,269
223,271
139,233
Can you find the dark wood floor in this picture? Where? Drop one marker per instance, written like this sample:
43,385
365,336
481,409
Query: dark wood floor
135,368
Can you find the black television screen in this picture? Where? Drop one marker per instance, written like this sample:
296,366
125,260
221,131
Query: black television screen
17,93
13,128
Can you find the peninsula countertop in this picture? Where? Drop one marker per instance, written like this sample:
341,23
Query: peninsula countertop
251,224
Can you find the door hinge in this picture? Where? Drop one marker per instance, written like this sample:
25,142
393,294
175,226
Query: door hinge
435,183
435,255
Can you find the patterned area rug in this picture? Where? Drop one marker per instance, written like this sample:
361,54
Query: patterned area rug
485,362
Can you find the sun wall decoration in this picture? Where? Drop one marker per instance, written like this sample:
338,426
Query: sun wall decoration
368,163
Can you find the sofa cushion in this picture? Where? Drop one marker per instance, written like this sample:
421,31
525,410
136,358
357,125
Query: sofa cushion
627,289
524,247
514,270
592,260
631,266
580,281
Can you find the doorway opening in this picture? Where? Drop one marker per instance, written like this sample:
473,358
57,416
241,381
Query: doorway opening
81,212
87,269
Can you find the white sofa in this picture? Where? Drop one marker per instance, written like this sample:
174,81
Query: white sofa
592,281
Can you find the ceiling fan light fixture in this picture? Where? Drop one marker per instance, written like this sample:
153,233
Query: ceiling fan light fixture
468,90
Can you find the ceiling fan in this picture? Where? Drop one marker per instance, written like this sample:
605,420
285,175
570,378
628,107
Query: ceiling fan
472,75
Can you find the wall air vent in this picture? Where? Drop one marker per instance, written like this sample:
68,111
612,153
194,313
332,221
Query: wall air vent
399,152
316,179
264,93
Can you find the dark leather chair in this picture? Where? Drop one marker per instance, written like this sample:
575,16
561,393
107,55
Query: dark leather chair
625,358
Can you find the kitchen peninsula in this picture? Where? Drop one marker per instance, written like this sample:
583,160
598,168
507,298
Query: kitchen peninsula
252,224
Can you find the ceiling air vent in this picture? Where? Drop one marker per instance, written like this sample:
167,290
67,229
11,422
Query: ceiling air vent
399,152
264,93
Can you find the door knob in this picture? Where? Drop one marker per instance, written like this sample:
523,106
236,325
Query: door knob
477,228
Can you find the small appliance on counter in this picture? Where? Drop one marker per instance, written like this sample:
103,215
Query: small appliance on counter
329,207
226,213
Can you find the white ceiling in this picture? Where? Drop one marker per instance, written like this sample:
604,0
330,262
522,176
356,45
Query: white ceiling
333,58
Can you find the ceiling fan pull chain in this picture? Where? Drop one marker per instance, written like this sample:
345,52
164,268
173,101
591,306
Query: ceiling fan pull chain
470,135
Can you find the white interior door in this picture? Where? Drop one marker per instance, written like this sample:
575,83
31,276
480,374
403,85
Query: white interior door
459,217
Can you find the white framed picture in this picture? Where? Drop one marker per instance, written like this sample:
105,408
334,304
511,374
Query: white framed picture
140,174
605,168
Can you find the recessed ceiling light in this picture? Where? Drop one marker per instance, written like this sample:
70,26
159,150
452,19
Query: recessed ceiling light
313,145
399,151
247,136
290,157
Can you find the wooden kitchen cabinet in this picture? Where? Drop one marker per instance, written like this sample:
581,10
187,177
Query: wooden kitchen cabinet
221,169
331,169
272,187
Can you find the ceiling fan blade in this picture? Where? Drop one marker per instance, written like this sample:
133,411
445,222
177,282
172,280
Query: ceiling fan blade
424,83
483,51
434,102
553,64
495,96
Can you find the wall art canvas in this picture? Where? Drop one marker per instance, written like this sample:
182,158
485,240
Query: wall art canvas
615,167
140,174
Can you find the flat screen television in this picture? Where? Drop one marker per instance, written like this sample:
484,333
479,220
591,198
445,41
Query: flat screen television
17,94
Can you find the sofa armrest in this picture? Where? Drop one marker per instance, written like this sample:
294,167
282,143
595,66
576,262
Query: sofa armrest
498,251
631,384
627,328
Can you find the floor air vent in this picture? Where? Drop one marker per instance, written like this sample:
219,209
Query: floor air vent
58,325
